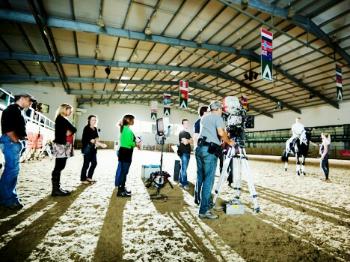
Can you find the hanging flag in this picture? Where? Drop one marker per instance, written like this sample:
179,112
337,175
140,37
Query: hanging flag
339,79
154,109
244,102
183,93
167,103
266,54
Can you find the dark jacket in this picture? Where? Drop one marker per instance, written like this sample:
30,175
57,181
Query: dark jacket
88,134
13,121
62,125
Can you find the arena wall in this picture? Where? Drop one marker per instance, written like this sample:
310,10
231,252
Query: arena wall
311,116
109,116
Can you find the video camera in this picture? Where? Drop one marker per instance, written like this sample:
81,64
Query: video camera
236,119
163,130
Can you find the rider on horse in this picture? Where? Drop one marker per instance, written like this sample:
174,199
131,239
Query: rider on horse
298,131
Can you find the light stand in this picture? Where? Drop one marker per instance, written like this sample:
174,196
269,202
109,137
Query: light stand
159,178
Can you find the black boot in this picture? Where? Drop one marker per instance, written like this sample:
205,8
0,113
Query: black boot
56,190
122,192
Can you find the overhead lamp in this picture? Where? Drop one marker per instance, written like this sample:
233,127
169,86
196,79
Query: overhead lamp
199,40
311,96
250,75
279,105
97,50
244,4
108,70
255,75
100,21
291,12
246,76
148,30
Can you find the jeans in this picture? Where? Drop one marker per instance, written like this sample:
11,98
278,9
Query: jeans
206,167
89,161
8,181
325,166
122,172
185,158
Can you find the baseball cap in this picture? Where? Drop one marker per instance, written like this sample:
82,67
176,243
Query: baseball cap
18,96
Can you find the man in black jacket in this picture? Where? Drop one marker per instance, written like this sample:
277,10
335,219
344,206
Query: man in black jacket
13,128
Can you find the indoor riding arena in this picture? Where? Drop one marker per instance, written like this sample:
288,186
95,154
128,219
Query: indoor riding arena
175,130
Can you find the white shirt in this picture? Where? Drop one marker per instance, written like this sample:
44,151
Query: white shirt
297,129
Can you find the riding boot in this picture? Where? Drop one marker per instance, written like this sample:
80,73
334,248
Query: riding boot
59,185
56,190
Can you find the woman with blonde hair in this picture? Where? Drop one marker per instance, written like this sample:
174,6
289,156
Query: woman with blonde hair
62,146
324,152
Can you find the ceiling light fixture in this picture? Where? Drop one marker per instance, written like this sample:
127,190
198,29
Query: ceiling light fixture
148,30
97,50
108,70
100,21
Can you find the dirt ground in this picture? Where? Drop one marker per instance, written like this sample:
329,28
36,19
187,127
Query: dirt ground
302,218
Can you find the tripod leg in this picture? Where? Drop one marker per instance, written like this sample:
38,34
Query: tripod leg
251,186
222,179
236,177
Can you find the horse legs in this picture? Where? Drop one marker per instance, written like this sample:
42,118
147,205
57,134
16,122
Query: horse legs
286,166
303,165
285,160
298,165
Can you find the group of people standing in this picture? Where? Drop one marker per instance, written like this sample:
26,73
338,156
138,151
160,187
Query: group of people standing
209,133
12,143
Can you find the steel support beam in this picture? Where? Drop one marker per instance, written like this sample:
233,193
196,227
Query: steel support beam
298,20
117,32
192,84
306,87
39,16
259,5
71,25
128,100
95,62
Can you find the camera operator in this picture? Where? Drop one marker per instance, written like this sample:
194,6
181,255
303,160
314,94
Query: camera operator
207,153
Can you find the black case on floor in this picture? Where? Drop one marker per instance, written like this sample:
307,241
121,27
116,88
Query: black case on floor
177,168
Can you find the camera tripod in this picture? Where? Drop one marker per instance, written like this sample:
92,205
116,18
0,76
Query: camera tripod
159,178
239,165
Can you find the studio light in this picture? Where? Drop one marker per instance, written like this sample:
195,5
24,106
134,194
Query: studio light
250,75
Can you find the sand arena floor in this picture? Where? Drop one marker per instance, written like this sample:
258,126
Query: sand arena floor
302,218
